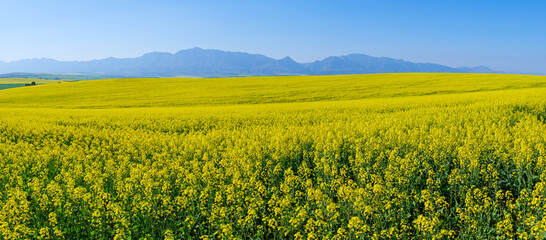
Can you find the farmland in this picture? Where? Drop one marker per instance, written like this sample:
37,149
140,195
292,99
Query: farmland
6,83
379,156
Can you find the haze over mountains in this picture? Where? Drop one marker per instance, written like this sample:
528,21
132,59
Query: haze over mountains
216,63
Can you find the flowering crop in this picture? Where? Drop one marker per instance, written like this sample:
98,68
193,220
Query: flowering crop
447,160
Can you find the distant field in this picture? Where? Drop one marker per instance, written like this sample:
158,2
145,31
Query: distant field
172,92
380,156
51,76
27,80
6,83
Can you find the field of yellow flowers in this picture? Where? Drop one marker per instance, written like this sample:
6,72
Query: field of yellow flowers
381,156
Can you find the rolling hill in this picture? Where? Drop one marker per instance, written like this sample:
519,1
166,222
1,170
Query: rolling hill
173,92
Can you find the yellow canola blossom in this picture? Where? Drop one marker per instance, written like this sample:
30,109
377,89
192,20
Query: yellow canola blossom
395,156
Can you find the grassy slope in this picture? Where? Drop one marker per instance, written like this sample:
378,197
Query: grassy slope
9,85
6,83
169,92
27,80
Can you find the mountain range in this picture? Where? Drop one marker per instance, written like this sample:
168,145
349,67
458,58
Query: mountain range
217,63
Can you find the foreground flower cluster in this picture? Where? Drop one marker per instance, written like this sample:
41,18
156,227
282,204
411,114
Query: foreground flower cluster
468,166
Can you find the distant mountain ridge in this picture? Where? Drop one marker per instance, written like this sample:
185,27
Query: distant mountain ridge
209,62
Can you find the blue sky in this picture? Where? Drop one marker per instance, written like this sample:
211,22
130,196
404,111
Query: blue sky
504,35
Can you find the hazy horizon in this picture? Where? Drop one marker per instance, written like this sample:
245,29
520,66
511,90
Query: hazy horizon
226,50
502,35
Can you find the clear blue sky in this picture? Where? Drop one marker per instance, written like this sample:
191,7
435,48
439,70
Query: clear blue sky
504,35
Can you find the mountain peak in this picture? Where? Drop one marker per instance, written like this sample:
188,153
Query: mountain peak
157,54
287,59
190,50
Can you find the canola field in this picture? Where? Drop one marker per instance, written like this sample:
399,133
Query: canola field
380,156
